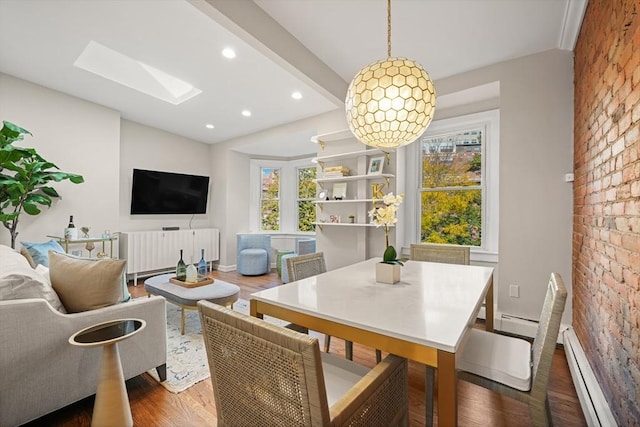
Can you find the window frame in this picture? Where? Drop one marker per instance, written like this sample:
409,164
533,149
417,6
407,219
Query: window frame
490,122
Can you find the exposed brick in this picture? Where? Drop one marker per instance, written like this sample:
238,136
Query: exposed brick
606,229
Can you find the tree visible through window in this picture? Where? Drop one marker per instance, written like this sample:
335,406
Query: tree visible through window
270,199
306,196
452,188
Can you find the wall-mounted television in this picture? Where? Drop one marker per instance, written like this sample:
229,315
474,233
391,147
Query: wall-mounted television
164,193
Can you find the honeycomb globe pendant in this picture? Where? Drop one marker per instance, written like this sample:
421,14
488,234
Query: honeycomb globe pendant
390,103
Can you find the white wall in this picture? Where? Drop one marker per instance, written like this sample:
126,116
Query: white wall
536,150
93,141
143,147
79,137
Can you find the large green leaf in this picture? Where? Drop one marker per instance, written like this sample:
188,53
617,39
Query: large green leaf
40,199
31,209
50,191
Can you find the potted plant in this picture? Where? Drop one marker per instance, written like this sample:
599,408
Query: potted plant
25,179
388,270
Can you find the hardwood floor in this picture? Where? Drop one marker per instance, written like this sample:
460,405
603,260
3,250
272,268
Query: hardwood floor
153,405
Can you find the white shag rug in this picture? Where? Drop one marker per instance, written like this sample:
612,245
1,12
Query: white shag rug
186,355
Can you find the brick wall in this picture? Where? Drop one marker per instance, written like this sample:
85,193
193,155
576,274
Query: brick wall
606,226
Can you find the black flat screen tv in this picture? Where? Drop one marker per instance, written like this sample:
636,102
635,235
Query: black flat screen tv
166,193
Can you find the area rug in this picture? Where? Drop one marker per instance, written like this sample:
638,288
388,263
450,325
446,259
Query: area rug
186,356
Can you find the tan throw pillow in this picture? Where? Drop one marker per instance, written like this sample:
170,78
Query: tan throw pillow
86,284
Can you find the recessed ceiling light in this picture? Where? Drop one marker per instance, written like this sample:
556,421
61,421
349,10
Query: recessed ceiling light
296,95
227,52
117,67
246,113
209,126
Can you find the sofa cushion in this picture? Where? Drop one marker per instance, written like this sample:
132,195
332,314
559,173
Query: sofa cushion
20,286
86,284
40,251
18,280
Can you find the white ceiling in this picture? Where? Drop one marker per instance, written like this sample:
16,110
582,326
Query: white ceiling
325,43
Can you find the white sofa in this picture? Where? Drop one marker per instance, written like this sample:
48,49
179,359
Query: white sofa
41,372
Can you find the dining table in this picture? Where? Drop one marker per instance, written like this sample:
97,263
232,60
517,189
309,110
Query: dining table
424,317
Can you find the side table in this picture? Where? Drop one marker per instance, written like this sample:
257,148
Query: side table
111,407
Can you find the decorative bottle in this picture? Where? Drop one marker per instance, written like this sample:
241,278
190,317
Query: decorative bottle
181,269
192,272
71,232
202,265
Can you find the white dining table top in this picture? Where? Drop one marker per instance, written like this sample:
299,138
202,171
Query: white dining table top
432,305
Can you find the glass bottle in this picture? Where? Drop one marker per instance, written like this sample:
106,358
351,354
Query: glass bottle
202,265
192,272
71,232
181,269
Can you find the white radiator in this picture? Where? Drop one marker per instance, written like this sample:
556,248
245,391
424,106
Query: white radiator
594,405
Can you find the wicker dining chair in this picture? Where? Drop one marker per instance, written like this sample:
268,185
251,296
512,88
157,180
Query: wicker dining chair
266,375
308,265
512,366
436,252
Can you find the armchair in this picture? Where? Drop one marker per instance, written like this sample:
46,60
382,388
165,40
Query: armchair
254,254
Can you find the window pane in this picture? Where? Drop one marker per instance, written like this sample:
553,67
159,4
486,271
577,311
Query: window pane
270,214
453,217
270,180
306,215
452,160
269,195
306,186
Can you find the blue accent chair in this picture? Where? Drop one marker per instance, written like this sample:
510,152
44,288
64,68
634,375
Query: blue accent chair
304,246
254,254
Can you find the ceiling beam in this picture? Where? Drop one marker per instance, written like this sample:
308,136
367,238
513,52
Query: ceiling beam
248,21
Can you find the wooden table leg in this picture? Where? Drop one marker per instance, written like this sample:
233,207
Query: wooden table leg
111,407
488,310
447,389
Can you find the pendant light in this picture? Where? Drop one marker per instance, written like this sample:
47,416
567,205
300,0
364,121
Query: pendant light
390,102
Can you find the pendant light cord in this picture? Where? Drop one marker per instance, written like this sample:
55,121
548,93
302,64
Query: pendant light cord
388,28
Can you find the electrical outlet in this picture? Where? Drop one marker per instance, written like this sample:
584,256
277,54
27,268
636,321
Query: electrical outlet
514,291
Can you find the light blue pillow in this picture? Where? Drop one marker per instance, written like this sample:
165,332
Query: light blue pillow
40,251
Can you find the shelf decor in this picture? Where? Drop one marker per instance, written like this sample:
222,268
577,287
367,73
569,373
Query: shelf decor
388,270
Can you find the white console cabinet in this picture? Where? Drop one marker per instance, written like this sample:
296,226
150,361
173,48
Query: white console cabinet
150,251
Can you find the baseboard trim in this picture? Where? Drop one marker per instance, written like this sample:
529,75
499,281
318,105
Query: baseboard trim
594,405
226,268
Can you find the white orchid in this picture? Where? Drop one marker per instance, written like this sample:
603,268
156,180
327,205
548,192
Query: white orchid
385,216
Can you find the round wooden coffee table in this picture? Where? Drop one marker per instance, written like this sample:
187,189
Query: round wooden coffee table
219,292
112,403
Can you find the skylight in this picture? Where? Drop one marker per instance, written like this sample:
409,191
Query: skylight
117,67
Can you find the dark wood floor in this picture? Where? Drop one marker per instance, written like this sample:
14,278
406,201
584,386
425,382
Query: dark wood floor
153,405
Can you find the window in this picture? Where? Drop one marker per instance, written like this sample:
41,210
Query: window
269,199
306,196
282,196
452,188
456,177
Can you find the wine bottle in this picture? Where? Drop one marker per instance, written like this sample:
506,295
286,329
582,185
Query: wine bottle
71,232
202,266
181,269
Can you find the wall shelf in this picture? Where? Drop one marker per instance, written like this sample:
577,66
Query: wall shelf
385,176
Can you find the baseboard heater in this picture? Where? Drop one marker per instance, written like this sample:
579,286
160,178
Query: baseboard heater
594,405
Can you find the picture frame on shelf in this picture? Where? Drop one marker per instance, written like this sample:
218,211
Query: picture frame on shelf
339,190
376,165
